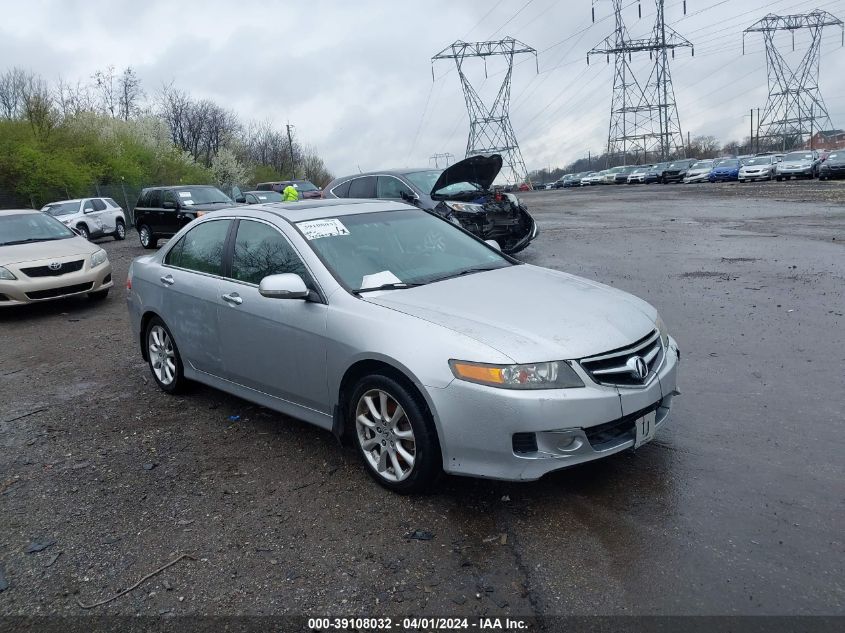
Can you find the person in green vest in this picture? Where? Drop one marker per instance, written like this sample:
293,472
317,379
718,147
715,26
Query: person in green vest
290,194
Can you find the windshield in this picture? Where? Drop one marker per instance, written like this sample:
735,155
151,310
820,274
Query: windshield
798,156
730,162
21,228
268,196
702,164
835,158
61,208
424,181
201,195
760,160
304,185
412,247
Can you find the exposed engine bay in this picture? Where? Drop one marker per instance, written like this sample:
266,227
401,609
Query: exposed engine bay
463,195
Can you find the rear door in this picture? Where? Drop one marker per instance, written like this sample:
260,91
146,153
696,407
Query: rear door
104,222
275,346
190,280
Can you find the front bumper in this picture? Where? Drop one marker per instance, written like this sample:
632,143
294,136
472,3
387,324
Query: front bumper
760,174
25,289
786,172
702,177
477,424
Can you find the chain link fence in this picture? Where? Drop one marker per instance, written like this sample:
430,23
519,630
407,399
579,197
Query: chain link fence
124,195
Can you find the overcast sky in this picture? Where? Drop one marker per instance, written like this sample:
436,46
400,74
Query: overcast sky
355,78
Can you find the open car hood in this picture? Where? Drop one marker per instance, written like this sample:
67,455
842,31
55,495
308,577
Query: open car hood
479,170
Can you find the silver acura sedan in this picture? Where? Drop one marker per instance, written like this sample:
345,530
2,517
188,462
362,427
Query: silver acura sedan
426,347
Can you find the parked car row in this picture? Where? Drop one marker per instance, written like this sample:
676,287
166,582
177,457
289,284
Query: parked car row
767,166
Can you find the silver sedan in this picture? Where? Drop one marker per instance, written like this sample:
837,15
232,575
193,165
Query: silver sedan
427,348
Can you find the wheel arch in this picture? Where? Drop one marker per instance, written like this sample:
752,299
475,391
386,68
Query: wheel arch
369,366
148,316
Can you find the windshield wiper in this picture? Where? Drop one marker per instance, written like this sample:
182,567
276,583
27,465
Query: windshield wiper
29,240
394,286
467,271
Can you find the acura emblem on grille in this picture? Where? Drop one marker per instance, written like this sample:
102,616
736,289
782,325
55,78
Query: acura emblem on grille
637,367
54,265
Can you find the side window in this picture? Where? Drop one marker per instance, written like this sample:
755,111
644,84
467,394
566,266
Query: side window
364,187
261,250
251,199
99,205
154,199
342,190
112,203
201,248
169,196
87,205
143,199
391,187
174,255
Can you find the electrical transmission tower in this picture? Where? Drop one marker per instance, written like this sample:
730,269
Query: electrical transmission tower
643,114
490,130
794,107
436,158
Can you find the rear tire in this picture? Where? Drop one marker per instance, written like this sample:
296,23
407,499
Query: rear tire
145,235
402,450
119,230
163,357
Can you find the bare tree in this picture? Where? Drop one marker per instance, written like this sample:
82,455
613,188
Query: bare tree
12,89
39,108
130,94
106,83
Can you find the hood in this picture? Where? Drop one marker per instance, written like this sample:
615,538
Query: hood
528,313
54,249
480,170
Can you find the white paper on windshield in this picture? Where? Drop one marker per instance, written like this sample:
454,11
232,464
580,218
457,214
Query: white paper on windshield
262,197
328,227
187,202
184,194
379,279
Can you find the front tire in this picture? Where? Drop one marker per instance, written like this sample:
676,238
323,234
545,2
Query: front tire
395,435
120,230
145,235
163,357
84,232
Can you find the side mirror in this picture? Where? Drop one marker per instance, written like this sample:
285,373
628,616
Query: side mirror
284,286
240,199
409,197
494,244
88,210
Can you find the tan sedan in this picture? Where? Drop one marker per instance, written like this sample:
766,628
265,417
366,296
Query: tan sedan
42,259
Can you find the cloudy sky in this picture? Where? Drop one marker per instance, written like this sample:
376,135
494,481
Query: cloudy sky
355,78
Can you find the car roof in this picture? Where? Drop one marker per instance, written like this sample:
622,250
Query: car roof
316,208
387,172
17,211
177,187
73,200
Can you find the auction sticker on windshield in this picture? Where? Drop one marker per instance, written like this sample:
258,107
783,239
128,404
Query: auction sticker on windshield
328,227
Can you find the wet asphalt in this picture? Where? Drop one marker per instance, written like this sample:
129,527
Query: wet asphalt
736,507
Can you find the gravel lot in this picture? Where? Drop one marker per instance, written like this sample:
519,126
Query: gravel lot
733,509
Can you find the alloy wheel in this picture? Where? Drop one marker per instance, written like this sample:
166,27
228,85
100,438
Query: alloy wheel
385,435
162,355
145,236
121,230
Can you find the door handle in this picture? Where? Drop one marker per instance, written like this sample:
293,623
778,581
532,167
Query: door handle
233,298
168,280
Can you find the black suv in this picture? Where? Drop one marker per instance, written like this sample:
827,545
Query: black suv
163,211
676,170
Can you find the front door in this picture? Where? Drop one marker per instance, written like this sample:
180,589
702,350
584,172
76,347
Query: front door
275,346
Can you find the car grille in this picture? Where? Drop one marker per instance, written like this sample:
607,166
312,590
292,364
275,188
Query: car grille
618,367
613,433
58,292
46,271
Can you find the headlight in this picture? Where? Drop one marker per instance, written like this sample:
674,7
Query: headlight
664,332
465,207
98,258
6,274
552,375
